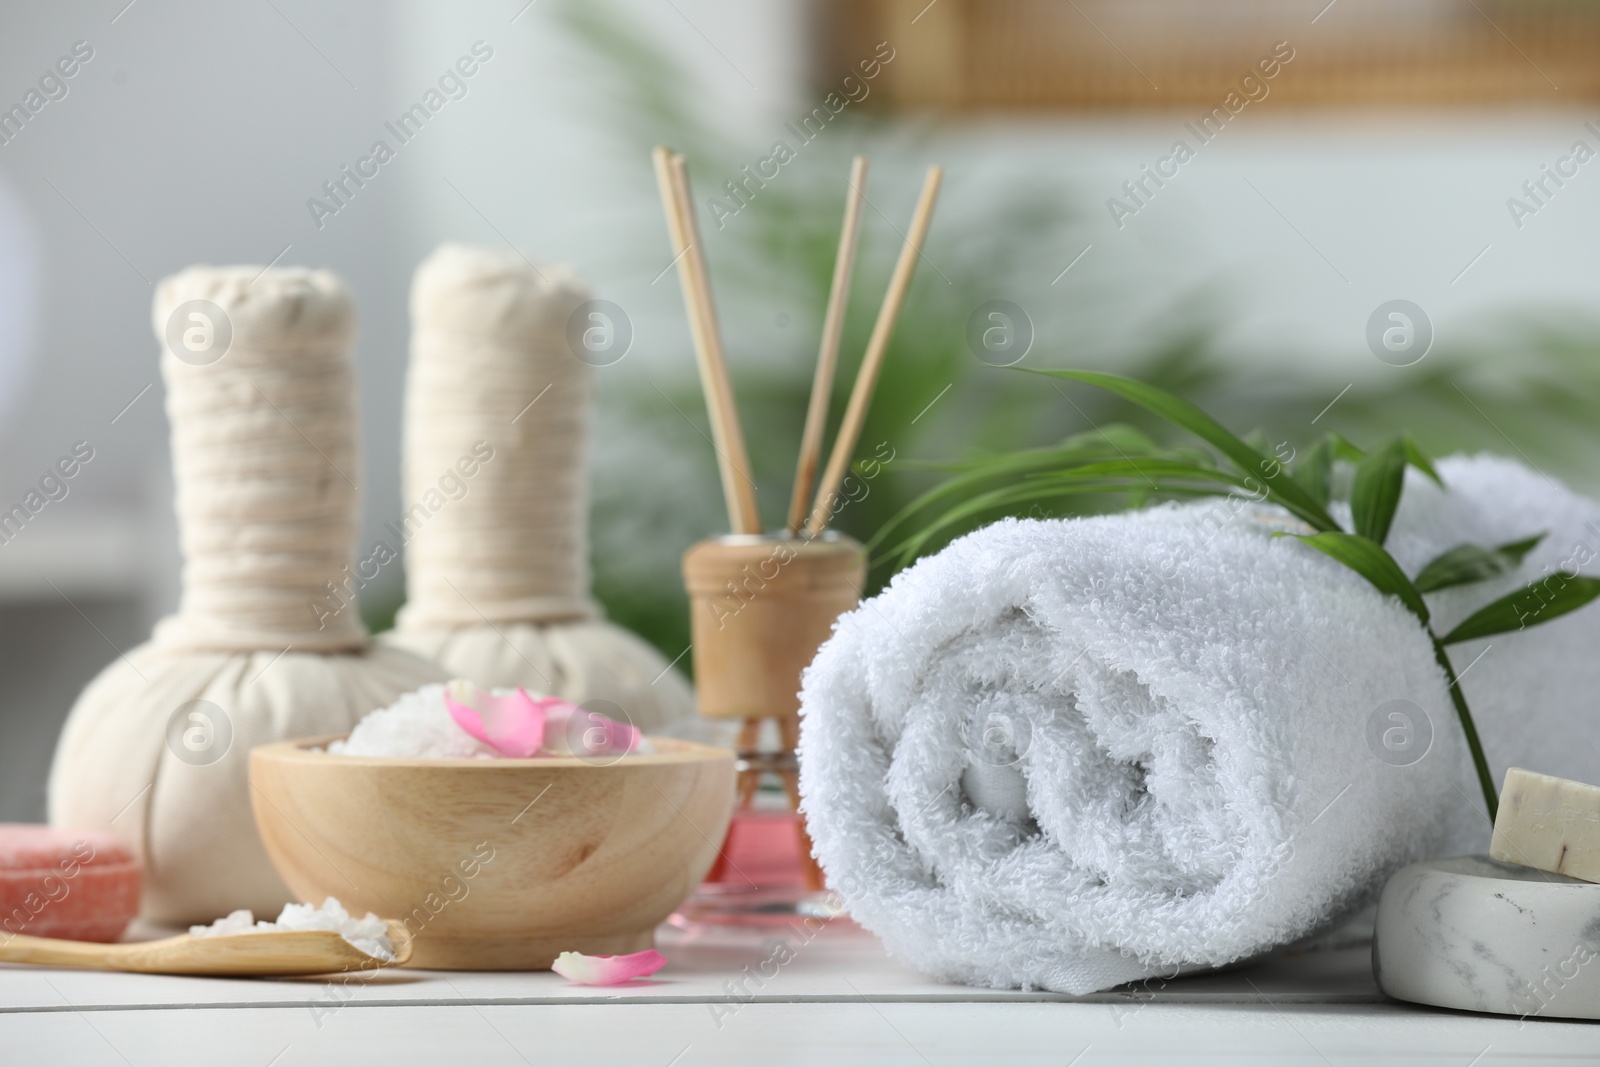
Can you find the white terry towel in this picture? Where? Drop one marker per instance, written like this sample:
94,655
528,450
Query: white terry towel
1073,753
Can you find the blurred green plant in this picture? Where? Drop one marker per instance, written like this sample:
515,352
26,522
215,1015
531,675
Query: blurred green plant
1526,386
779,251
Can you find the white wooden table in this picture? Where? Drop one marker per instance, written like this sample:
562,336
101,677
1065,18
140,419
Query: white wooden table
729,999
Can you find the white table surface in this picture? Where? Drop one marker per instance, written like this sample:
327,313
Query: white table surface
839,1000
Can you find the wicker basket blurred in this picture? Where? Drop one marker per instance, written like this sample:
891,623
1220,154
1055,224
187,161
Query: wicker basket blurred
1022,55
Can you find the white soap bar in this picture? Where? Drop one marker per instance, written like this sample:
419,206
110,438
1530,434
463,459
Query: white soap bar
1548,823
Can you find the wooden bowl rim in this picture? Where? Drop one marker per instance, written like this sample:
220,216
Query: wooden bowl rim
298,750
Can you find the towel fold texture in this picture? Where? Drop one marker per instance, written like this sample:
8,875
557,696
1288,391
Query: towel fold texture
1068,754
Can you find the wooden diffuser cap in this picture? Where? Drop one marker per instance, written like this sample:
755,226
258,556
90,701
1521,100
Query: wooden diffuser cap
760,606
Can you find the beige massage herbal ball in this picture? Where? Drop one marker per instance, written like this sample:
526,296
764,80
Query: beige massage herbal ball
498,412
261,398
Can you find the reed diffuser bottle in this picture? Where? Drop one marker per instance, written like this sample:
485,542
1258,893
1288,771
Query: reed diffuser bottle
761,604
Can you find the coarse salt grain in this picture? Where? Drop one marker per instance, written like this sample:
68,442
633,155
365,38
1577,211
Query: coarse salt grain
419,725
369,934
416,726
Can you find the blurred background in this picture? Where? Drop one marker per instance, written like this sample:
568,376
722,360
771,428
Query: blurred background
1338,157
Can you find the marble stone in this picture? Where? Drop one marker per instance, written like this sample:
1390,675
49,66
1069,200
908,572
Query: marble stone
1480,935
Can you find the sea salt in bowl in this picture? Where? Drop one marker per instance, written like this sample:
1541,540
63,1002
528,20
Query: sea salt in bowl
497,864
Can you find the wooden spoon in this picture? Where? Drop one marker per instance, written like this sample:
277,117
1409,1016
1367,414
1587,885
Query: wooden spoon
258,953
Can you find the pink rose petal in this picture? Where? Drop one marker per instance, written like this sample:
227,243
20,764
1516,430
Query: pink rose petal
512,725
608,970
574,731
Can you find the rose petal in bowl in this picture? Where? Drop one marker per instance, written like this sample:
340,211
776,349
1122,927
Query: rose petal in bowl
512,725
571,730
608,970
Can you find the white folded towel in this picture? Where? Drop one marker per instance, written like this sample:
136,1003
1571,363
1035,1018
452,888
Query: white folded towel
1070,754
1188,702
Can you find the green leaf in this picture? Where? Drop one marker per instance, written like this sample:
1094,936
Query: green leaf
977,474
1116,436
1419,459
1006,496
1467,563
1112,439
1344,450
1153,472
1102,479
1549,598
1315,472
1516,550
1282,489
1368,559
1375,495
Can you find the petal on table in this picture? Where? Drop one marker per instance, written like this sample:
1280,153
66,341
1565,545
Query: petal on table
608,970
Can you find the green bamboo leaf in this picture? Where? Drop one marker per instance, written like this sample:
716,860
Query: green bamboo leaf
1283,489
1368,559
1027,492
1419,459
1065,485
1468,563
1004,497
976,474
1548,598
1116,436
1112,439
1315,472
1154,472
1375,495
1516,550
1343,449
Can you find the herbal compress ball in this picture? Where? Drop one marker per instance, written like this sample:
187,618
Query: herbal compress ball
261,398
498,406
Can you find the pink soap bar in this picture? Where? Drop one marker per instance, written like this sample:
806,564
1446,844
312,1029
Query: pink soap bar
60,883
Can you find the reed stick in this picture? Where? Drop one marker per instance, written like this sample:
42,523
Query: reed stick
855,415
733,462
805,473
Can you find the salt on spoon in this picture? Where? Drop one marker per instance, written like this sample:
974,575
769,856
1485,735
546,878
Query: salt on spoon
233,946
370,935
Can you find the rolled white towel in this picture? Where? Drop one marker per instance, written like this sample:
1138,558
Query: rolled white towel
1073,753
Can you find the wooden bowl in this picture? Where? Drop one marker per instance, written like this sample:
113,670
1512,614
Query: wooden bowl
497,864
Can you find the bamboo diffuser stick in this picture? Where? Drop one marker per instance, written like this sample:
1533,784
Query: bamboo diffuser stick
855,415
805,474
733,462
750,669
